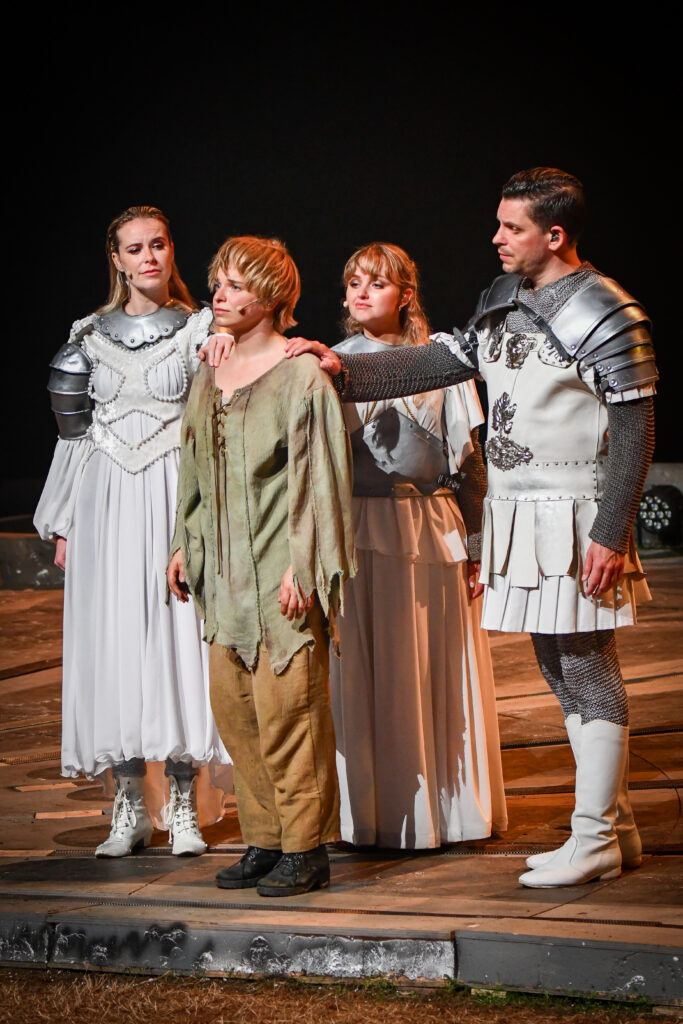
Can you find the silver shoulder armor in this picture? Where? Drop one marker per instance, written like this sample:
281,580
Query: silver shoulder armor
68,386
358,343
604,327
144,329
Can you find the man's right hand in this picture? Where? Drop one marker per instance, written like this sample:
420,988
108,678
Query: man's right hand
329,360
175,574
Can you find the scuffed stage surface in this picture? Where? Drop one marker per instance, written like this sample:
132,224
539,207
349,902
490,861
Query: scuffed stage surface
457,912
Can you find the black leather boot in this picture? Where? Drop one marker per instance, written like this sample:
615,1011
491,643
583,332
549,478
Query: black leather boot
296,873
245,874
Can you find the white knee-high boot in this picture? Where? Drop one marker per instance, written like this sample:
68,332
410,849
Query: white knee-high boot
627,833
592,850
131,825
183,827
572,724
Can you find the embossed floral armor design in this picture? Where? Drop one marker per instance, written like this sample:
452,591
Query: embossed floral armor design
501,450
517,349
491,342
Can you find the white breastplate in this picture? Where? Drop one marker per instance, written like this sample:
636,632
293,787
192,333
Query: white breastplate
140,394
547,430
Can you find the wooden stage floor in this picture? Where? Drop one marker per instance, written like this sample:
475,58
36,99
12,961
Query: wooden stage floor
457,912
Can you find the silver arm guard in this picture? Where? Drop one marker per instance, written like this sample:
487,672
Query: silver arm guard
604,327
68,386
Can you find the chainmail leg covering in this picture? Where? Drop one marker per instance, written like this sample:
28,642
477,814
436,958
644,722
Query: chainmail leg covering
591,673
548,657
373,376
471,479
134,767
631,444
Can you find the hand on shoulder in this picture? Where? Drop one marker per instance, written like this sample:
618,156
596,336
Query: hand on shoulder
216,349
329,360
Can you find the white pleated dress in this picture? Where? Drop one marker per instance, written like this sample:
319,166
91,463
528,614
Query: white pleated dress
418,750
135,669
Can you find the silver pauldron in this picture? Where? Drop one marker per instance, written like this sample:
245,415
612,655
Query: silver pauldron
393,449
601,326
624,362
604,327
68,386
135,331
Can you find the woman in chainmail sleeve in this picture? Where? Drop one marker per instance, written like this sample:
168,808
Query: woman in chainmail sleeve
135,670
418,752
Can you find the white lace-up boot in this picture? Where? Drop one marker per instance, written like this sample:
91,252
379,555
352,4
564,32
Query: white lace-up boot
592,851
131,825
627,833
183,829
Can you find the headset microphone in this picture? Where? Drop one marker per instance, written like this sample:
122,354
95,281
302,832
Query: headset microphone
240,309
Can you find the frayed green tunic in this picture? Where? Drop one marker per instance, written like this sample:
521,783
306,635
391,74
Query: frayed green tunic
264,483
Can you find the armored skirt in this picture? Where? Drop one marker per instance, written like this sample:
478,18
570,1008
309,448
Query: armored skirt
418,751
135,669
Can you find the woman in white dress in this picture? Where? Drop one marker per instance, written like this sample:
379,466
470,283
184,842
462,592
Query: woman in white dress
418,751
135,679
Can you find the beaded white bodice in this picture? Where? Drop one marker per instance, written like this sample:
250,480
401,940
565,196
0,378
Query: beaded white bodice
139,394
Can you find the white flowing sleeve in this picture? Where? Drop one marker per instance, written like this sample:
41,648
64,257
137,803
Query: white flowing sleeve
199,324
462,413
54,514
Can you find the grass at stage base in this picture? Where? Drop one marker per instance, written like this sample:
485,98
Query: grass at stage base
77,997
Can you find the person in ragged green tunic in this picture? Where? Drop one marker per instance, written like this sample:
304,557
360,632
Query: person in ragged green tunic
264,541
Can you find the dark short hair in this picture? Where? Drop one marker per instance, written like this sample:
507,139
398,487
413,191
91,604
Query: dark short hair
555,197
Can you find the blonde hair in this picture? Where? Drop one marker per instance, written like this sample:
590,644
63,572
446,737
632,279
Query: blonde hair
267,269
118,285
382,259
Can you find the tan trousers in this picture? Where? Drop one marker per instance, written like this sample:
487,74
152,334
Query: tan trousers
279,732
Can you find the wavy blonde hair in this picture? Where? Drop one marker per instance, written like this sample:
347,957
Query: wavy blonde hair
382,259
118,285
267,269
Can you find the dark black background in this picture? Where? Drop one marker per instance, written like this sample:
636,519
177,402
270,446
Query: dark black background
328,130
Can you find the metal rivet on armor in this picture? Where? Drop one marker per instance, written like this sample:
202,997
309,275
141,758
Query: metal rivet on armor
599,366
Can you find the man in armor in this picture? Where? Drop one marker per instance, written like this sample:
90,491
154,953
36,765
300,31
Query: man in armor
569,366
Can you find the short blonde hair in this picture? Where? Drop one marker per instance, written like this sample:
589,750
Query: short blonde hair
382,259
267,269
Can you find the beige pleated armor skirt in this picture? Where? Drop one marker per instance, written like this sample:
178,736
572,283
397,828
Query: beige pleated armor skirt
533,554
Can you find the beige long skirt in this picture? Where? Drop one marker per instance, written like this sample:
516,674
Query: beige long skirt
418,750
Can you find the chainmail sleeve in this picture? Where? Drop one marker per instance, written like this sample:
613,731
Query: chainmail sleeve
373,376
470,489
631,444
